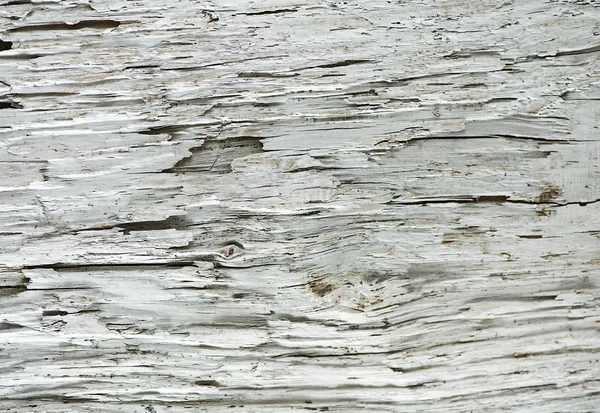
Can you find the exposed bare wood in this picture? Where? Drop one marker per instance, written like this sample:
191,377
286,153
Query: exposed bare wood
276,206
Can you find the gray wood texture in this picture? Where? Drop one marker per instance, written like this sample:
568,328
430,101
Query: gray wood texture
284,206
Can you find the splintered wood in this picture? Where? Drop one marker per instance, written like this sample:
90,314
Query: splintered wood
282,206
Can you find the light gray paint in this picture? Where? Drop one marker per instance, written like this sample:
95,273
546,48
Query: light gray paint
276,206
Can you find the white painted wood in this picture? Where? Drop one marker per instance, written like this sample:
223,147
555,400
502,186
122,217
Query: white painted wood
276,206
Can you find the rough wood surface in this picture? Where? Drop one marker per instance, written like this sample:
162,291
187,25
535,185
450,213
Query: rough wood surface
276,206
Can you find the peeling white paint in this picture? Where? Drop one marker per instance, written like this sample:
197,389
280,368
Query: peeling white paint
280,206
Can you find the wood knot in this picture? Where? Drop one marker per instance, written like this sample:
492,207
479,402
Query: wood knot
550,193
321,288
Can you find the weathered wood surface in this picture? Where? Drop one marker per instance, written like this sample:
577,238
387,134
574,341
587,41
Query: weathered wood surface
280,206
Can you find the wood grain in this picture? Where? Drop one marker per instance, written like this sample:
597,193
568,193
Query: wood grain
277,206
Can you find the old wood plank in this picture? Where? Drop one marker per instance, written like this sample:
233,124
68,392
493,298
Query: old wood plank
287,205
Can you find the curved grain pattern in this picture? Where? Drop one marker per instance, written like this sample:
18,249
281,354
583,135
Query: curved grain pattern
277,206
